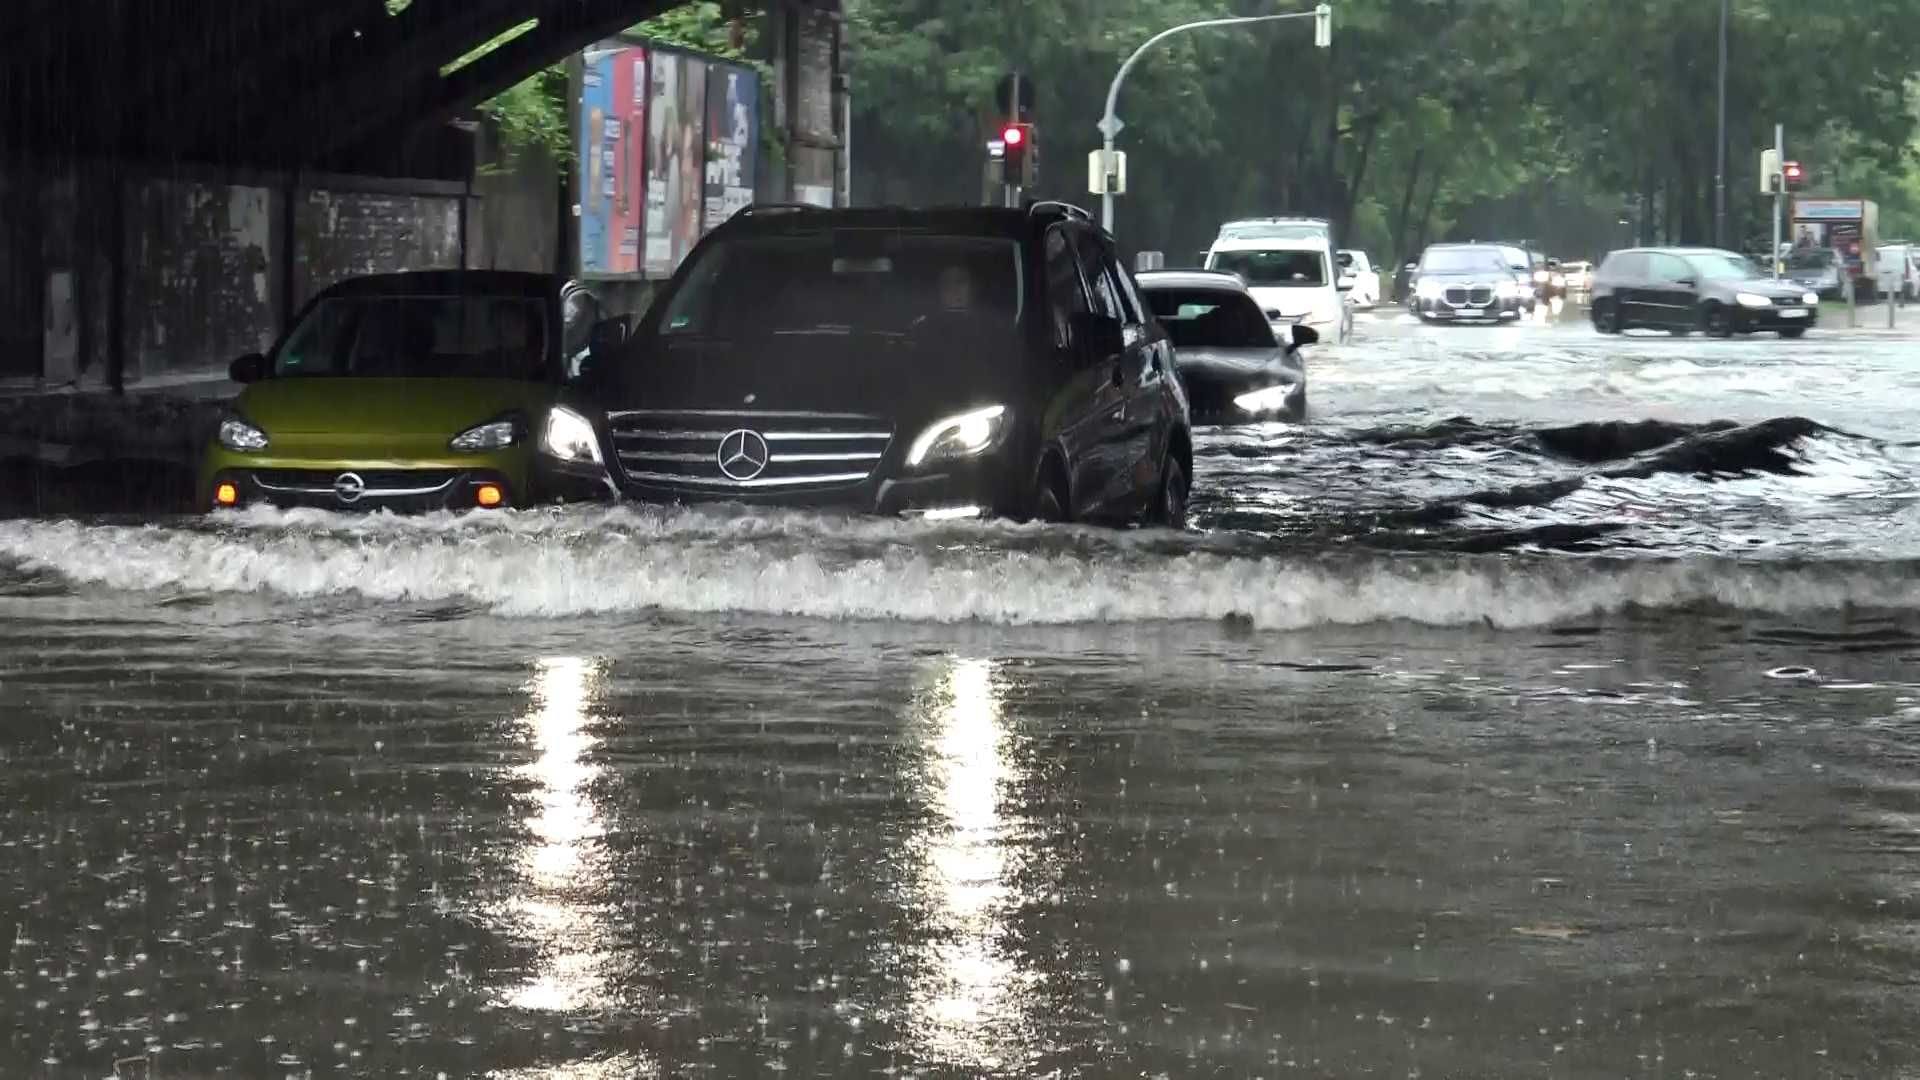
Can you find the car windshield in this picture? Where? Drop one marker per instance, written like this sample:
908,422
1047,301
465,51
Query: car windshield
847,281
419,337
1461,260
1722,266
1272,230
1210,318
1810,259
1293,269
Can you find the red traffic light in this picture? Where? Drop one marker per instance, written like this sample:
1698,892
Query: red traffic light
1793,173
1013,135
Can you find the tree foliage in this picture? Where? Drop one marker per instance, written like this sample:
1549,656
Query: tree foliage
1550,119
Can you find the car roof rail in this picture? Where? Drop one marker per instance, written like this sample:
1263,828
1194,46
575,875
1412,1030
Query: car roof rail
1056,206
775,207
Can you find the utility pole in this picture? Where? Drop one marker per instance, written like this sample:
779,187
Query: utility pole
1720,143
1780,150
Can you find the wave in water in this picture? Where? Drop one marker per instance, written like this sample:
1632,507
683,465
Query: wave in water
619,560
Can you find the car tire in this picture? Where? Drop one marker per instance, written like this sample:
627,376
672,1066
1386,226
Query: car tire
1606,318
1050,503
1170,504
1716,320
1793,331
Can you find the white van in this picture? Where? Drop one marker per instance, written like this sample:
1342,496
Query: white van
1293,275
1899,271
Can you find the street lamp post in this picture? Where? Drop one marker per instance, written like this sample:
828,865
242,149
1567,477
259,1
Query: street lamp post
1110,124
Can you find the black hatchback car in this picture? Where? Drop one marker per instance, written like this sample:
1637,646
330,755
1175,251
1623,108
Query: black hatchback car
1680,290
943,363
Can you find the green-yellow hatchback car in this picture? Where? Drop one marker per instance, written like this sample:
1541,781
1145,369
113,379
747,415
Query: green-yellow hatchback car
406,392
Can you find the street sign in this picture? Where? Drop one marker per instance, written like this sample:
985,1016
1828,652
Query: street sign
1107,172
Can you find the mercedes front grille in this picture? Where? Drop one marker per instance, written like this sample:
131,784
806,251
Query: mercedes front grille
713,450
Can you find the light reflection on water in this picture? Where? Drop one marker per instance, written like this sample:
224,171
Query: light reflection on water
960,1010
564,876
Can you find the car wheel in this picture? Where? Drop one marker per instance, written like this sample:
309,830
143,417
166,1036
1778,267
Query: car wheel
1050,497
1606,317
1716,320
1793,331
1170,509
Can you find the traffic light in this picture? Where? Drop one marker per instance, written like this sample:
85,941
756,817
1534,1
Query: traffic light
1018,141
1793,175
1769,172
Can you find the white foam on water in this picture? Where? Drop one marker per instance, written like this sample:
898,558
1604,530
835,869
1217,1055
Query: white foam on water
621,560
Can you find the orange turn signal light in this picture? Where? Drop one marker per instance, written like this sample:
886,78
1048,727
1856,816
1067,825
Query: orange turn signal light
489,495
226,495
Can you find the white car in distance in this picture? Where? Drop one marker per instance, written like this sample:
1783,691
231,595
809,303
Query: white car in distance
1366,278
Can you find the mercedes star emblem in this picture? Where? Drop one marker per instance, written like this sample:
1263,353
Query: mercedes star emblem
743,454
348,487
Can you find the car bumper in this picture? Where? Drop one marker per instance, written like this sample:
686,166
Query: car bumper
1752,320
1499,308
449,483
985,487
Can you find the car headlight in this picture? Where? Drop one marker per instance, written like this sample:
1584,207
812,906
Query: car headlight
570,437
962,436
1507,290
1750,299
492,435
1810,298
1428,290
241,437
1266,399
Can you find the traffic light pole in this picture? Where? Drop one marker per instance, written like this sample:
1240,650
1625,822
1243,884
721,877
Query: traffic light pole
1110,124
1780,149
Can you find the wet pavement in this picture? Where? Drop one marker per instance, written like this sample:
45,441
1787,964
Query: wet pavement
1546,705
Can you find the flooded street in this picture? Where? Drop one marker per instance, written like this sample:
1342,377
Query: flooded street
1546,705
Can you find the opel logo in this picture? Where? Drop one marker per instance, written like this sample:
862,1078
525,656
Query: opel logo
348,487
743,454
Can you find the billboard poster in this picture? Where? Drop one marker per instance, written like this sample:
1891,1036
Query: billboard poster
612,123
676,160
733,137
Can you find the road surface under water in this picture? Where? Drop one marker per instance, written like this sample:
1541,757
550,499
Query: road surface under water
1547,705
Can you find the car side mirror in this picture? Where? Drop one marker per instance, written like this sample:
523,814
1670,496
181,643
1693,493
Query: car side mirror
1411,267
1303,334
1345,283
1101,336
249,368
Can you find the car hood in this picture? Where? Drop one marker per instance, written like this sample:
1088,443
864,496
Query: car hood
1296,302
1242,369
1784,289
1463,276
873,374
350,406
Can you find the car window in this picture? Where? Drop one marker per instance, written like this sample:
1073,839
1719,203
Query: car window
418,336
1627,266
1066,296
1461,260
1130,302
1105,294
1211,318
1669,268
846,281
1296,269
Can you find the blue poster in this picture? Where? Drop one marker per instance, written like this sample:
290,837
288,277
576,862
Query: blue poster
599,163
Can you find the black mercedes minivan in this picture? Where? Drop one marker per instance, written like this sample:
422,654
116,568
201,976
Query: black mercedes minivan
943,363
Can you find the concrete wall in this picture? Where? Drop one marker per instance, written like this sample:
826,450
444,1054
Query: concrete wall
197,269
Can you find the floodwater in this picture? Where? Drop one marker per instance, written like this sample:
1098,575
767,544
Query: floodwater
1549,705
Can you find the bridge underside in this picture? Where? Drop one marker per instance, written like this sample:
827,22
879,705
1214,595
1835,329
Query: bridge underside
332,85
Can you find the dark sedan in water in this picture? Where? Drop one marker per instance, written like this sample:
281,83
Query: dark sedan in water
942,363
1233,366
1680,290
